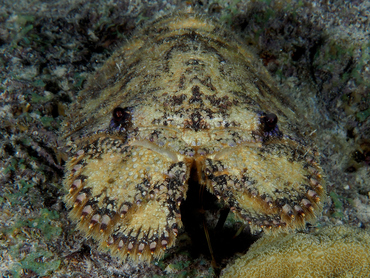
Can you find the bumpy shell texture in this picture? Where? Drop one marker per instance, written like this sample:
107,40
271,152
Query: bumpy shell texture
184,99
329,252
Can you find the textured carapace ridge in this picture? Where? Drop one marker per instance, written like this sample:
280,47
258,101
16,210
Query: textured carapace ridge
184,97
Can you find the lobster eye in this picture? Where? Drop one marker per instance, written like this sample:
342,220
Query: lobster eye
269,120
121,117
119,114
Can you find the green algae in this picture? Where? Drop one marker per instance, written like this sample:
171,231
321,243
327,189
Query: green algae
23,187
33,256
182,267
47,121
38,83
12,166
362,115
231,10
45,225
34,263
40,262
23,25
232,219
338,205
37,98
79,79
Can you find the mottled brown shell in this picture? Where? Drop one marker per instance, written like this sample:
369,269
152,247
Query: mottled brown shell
184,94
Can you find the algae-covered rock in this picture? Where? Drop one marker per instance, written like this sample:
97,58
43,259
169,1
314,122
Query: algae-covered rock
329,252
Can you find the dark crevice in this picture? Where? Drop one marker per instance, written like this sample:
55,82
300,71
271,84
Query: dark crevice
199,207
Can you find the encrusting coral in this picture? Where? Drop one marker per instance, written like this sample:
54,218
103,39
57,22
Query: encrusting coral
329,252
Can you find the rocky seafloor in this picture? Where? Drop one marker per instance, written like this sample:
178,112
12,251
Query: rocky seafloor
317,51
